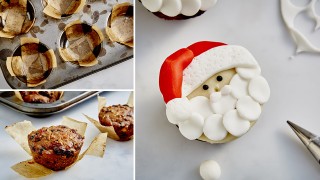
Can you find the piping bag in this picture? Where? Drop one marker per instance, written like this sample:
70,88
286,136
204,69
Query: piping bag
310,140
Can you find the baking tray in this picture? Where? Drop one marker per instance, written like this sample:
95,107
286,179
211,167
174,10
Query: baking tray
68,100
49,30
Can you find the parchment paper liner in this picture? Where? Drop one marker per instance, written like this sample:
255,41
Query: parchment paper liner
109,129
54,13
27,40
30,169
92,58
26,26
117,10
18,95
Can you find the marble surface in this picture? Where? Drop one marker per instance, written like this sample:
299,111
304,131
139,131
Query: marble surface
117,162
270,150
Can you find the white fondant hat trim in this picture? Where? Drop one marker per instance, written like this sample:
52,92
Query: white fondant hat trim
213,61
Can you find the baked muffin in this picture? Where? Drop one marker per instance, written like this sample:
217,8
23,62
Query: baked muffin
39,96
178,9
120,117
213,92
56,147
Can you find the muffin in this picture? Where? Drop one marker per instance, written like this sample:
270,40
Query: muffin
56,147
120,117
213,92
178,9
39,96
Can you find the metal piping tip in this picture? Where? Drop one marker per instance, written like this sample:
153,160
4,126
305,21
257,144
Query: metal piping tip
310,140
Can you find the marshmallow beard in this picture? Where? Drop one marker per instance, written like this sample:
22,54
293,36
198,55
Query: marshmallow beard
228,111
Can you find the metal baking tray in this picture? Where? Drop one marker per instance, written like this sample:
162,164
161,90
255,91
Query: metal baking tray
49,31
68,100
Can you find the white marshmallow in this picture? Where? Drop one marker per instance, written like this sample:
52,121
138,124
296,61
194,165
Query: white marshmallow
190,7
178,109
171,8
193,127
225,104
210,170
213,128
235,125
152,5
259,89
239,86
248,108
201,105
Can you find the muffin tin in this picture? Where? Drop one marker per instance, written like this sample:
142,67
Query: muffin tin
68,100
49,32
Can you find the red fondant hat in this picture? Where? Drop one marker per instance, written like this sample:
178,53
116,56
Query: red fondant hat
171,72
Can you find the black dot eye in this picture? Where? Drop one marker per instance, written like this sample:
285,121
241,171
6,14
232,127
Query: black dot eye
219,78
205,87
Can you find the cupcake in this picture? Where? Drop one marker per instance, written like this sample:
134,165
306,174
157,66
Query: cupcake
213,92
178,9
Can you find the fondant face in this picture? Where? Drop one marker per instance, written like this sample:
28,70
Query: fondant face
214,84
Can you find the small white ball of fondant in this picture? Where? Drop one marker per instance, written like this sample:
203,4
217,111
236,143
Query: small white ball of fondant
210,170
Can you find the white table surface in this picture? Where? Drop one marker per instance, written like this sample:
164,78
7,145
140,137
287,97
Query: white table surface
116,164
270,150
119,76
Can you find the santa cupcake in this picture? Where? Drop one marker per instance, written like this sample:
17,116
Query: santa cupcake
213,92
178,9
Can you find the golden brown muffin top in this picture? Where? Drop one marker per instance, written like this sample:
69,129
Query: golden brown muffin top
59,140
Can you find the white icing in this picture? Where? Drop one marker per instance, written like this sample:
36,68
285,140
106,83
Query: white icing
152,5
178,109
213,128
226,90
215,97
235,125
173,8
239,86
248,108
226,103
201,105
190,7
289,13
193,127
213,61
248,73
210,170
259,89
